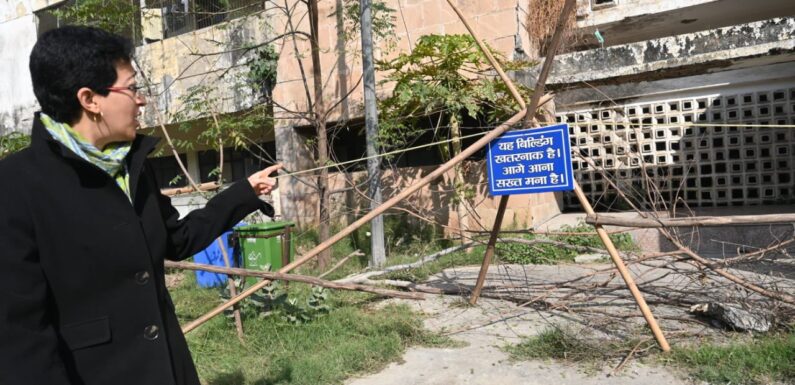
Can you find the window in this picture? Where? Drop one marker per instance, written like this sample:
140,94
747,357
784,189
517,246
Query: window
238,164
166,18
597,4
166,170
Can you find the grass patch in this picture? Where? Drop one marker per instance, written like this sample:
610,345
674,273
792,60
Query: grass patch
350,339
541,254
760,360
751,361
556,342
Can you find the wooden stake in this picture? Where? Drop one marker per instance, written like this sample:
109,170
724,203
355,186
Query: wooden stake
232,289
553,47
537,92
484,268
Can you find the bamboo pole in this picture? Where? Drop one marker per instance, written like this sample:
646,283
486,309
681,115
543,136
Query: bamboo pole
644,308
729,220
622,269
294,278
537,92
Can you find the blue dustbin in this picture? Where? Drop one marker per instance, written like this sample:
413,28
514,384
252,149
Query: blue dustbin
212,256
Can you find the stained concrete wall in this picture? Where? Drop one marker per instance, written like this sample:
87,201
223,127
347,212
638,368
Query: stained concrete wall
630,21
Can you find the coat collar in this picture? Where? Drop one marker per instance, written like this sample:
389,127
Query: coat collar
44,144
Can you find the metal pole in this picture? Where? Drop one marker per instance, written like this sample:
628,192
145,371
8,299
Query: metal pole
378,255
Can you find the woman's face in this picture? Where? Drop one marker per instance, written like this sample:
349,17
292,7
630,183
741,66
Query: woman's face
121,107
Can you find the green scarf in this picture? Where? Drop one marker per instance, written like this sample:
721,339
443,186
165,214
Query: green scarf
110,159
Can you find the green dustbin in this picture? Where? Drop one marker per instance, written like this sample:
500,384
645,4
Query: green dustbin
261,245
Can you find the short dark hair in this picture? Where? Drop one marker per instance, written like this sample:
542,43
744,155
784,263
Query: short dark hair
68,58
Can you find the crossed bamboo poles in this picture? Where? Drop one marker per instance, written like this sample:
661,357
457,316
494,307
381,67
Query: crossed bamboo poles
441,170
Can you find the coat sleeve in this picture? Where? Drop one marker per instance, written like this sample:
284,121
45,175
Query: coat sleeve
29,351
201,227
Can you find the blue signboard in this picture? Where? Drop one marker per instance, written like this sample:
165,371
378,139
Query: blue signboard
531,161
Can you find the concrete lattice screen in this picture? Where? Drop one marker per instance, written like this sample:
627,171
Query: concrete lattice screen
703,165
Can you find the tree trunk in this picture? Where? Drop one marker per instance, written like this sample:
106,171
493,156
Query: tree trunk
460,191
377,252
319,113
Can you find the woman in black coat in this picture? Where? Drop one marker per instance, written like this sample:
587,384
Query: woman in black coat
84,229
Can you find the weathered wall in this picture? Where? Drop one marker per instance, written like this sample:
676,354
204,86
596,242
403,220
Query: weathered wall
762,42
18,33
17,102
497,21
204,57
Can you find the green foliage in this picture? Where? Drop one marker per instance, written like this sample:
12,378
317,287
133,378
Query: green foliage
13,142
262,69
544,254
447,75
273,301
230,130
349,340
383,25
111,15
762,360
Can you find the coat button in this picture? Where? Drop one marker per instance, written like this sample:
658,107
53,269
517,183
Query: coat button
142,277
151,332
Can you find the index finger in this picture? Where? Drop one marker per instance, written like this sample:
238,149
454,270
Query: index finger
269,170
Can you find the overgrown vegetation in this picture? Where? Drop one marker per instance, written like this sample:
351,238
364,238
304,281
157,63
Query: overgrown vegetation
550,254
13,142
753,361
351,338
116,16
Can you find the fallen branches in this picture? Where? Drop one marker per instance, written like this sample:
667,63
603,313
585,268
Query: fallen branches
342,261
295,278
422,261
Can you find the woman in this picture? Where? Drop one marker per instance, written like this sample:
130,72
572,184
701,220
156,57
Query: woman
84,229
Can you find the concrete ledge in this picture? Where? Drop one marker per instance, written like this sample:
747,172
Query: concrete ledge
682,55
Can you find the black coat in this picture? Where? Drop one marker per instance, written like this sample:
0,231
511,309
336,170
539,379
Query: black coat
82,292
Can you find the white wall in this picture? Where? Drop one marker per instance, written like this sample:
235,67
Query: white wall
17,102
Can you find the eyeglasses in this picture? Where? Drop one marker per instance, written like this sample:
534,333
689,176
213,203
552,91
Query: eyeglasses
135,89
